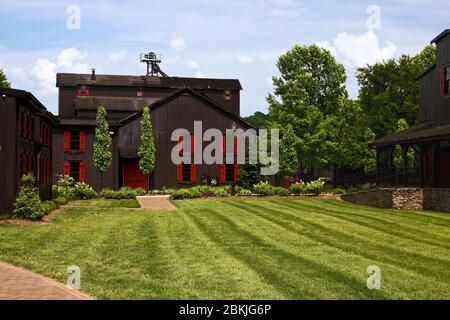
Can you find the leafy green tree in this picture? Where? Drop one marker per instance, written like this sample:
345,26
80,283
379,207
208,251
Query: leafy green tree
3,80
147,152
258,120
288,154
311,89
349,142
102,144
389,90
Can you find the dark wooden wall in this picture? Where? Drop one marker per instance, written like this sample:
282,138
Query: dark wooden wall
68,95
433,107
13,145
8,152
181,112
93,178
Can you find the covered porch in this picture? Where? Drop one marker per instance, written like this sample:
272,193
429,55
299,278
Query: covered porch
427,165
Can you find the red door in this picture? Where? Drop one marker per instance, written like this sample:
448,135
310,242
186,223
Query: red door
133,177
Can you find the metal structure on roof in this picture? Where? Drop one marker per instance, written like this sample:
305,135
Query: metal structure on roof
152,62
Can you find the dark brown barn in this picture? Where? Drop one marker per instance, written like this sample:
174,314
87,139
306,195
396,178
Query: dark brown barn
174,103
431,137
25,144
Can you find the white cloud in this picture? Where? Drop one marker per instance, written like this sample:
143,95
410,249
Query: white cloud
17,75
178,44
244,59
117,56
44,72
68,57
359,50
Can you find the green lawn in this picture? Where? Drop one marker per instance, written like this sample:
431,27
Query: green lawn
240,249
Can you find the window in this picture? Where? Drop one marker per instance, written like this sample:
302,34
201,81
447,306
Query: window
83,90
229,173
227,95
140,92
186,175
74,140
75,169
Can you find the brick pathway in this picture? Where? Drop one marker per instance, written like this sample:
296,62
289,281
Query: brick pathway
156,202
20,284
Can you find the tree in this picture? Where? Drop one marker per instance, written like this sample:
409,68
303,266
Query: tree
147,152
102,144
258,120
349,142
288,154
311,89
3,80
389,90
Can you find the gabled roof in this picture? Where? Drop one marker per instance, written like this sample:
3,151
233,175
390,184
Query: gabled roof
200,96
441,36
33,101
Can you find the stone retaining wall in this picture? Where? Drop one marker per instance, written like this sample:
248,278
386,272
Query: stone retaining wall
403,198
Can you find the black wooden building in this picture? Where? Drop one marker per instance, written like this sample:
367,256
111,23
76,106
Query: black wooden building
431,137
25,145
174,102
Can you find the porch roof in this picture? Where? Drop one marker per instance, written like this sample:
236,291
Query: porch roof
425,131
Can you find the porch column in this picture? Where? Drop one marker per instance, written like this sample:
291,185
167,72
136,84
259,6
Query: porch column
390,164
378,167
405,149
421,166
433,164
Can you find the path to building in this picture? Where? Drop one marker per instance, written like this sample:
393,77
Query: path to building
20,284
156,202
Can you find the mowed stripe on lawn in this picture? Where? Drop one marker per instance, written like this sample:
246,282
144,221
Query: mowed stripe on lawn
275,248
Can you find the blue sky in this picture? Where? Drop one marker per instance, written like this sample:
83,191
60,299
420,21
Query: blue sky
220,39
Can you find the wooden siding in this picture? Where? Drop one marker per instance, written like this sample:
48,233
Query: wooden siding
433,107
110,177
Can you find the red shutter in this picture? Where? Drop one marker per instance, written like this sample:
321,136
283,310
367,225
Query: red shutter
442,82
296,178
82,141
86,91
79,91
66,140
235,145
193,174
223,173
82,168
180,173
192,144
236,173
67,168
